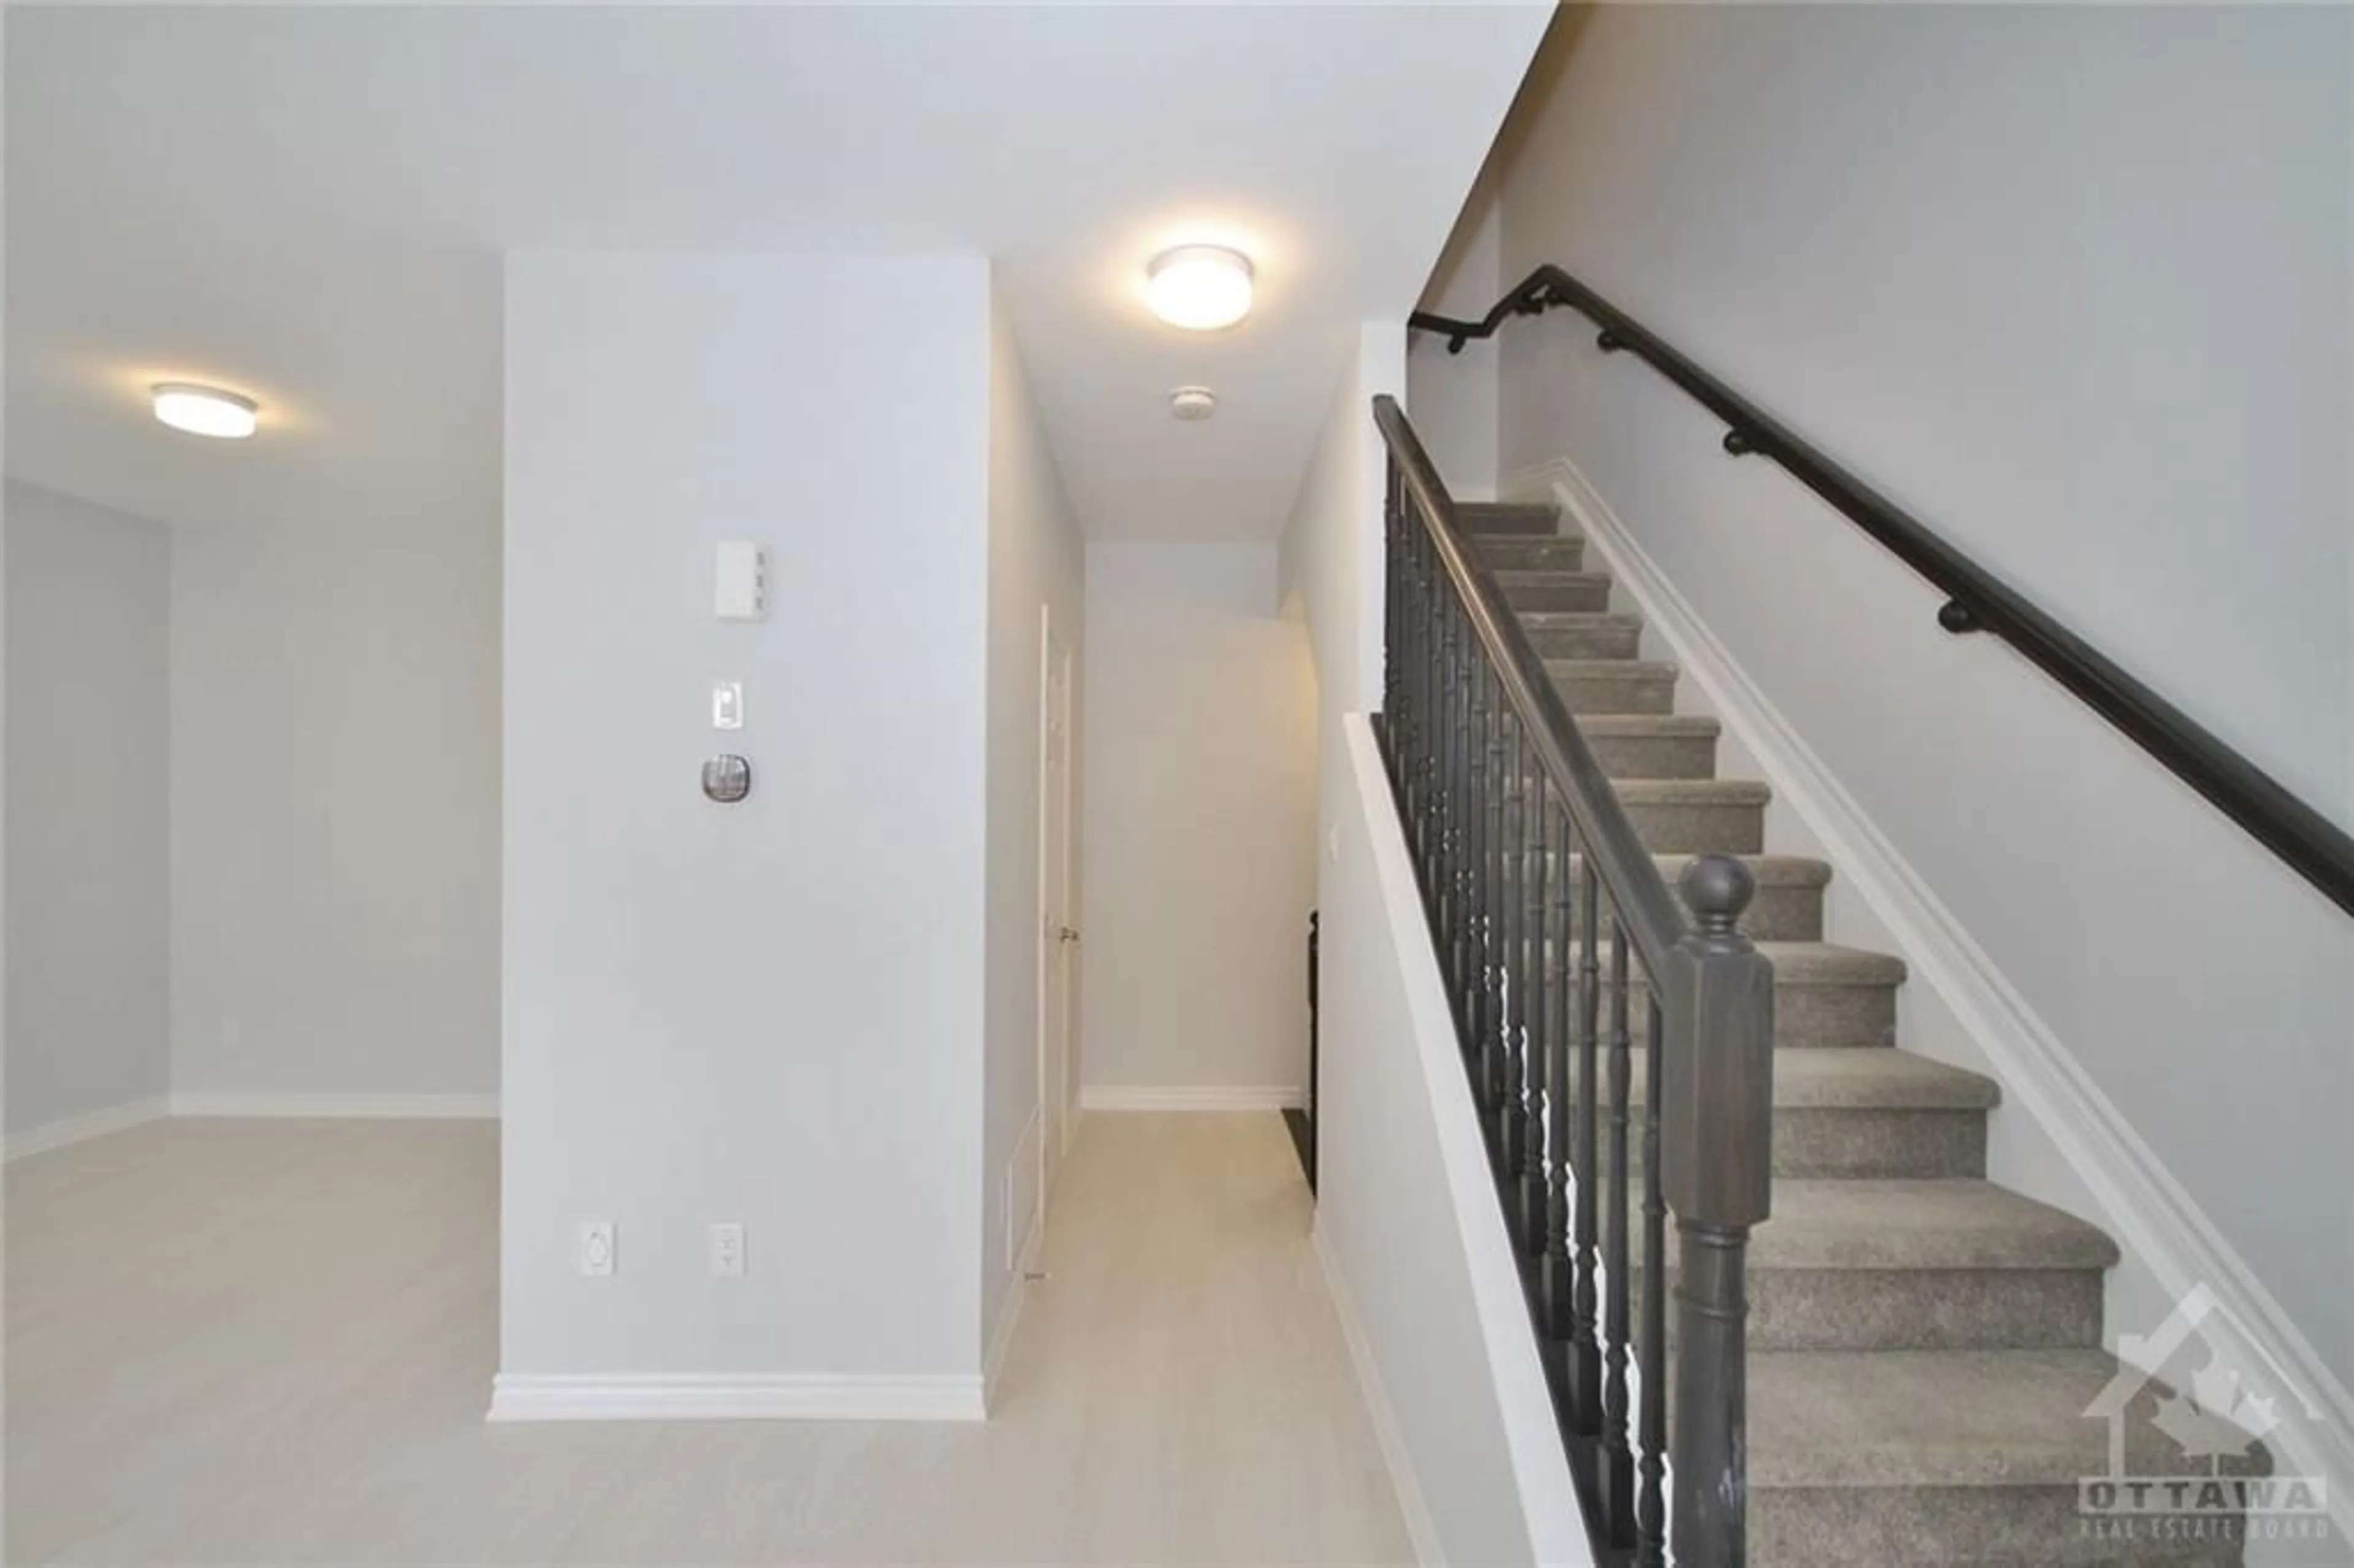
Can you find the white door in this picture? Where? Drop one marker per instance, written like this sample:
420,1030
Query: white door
1058,933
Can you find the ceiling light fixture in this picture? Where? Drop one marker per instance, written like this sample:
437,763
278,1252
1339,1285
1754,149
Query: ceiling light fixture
206,410
1199,287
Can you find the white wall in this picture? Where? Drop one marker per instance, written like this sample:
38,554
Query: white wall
1408,1220
770,1013
1199,822
89,775
1331,564
1452,397
335,801
1034,559
2074,284
1329,557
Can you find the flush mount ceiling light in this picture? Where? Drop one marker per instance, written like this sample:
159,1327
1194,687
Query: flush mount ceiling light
1199,287
204,411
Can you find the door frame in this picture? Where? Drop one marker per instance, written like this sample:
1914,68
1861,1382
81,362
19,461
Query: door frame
1057,958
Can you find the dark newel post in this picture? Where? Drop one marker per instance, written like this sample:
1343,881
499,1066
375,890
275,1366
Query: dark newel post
1717,1130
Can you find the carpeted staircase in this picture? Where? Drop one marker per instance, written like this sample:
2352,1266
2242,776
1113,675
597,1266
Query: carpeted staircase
1924,1343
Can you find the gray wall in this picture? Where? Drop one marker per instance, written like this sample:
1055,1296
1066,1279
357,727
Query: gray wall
335,803
1200,821
771,1012
89,771
1452,395
2072,281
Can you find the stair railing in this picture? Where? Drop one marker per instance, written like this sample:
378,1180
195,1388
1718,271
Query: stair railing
1976,600
1572,969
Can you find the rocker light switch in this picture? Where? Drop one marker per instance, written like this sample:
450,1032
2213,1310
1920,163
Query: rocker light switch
727,705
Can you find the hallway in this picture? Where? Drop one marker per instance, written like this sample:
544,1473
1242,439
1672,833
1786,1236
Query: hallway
242,1341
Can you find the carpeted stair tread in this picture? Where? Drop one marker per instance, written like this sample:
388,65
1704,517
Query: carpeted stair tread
1506,517
1836,1077
1945,1419
1521,552
1830,963
1583,633
1693,791
1623,727
1610,669
1547,589
1851,1224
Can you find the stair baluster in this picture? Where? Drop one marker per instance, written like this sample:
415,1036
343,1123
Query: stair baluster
1585,1350
1536,956
1512,1128
1652,1440
1618,1463
1559,1270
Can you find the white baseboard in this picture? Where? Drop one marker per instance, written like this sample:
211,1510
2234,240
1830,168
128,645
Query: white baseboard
1388,1434
782,1397
82,1128
1008,1319
1128,1097
2144,1207
373,1107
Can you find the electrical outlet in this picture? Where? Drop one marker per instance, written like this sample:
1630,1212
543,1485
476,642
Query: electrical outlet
727,1250
599,1254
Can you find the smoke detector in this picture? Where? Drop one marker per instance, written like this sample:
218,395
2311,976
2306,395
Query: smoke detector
1192,403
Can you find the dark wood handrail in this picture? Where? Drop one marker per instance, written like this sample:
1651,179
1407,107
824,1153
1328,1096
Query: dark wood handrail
1977,600
1653,916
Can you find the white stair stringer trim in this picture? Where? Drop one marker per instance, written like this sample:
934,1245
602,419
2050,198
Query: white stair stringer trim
1527,1422
2146,1210
1388,1434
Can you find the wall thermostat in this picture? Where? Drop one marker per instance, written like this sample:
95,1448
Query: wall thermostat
727,779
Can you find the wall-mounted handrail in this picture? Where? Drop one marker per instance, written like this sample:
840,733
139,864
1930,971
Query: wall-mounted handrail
1977,600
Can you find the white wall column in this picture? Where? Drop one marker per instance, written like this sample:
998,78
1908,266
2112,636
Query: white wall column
768,1012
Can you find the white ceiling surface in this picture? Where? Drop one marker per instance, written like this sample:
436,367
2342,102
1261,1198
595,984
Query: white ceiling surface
309,204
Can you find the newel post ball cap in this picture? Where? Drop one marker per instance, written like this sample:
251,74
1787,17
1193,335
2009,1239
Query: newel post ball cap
1717,889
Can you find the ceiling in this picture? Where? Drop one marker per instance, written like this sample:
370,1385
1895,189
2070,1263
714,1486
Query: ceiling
309,204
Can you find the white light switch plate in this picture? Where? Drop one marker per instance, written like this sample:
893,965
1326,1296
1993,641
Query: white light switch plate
727,705
727,1250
